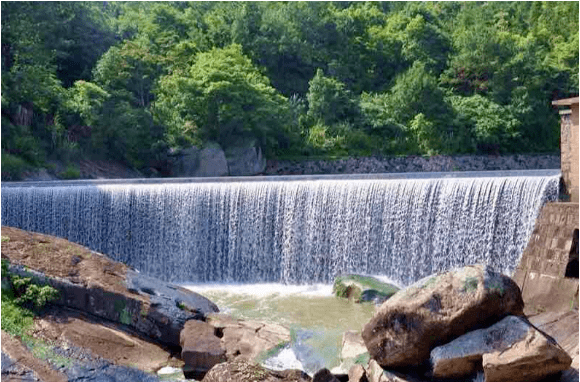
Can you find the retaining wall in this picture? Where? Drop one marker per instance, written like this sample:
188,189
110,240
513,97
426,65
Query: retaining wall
548,270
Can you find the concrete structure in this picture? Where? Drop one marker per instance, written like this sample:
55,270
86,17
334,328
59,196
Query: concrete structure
569,146
548,271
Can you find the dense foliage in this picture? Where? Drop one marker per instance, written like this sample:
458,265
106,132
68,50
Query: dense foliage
131,80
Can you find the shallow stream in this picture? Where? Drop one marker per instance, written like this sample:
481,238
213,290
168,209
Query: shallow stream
316,318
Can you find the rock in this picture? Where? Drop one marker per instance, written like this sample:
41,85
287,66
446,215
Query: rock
245,160
357,373
352,345
463,356
363,288
187,162
436,310
240,370
152,307
200,348
563,327
212,162
193,162
248,339
375,373
531,359
324,375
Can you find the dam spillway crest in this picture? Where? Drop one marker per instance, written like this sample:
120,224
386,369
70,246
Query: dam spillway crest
296,232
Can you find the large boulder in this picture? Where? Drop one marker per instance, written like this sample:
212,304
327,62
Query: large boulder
240,370
207,162
514,349
245,160
201,349
436,310
248,339
363,289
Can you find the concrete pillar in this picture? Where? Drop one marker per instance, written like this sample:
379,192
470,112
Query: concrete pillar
569,145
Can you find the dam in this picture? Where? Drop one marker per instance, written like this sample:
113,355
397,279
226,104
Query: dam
292,229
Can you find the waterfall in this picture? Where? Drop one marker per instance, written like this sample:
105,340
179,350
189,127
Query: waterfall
296,232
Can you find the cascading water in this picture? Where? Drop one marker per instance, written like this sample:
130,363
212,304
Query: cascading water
295,232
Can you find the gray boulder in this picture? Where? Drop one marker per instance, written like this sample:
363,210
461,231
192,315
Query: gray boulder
436,310
244,161
207,162
536,357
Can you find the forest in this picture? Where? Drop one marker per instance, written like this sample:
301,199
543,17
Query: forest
134,81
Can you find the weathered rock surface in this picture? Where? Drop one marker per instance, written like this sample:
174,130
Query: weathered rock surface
200,348
240,370
375,373
244,161
436,310
248,339
531,359
363,289
207,162
357,373
563,327
535,351
158,309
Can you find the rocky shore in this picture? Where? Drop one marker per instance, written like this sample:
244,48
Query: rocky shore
111,323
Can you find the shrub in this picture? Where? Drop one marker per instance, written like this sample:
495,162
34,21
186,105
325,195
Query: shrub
13,167
71,172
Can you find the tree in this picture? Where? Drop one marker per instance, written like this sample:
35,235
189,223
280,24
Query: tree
329,101
222,97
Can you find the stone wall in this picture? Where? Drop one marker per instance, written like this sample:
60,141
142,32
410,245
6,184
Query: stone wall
569,150
414,164
548,270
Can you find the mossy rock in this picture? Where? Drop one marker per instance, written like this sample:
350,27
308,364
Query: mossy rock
363,289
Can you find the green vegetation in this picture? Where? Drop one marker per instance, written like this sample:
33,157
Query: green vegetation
132,80
71,172
22,298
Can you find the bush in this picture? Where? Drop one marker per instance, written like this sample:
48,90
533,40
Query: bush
71,172
25,291
13,166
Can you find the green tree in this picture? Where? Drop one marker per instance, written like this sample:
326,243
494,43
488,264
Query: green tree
223,97
329,101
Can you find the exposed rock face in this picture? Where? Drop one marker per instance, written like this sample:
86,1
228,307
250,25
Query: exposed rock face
240,370
357,373
463,356
531,359
248,339
200,348
363,289
375,373
161,317
436,310
208,162
245,161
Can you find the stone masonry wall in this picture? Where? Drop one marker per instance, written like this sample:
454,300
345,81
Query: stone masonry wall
541,273
440,163
569,151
